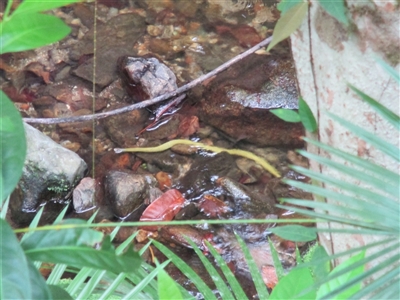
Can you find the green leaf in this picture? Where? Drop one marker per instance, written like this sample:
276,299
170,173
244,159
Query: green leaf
290,286
254,271
287,115
288,23
167,288
29,31
306,116
371,168
133,294
65,237
15,281
296,233
335,283
4,206
277,262
358,191
320,270
31,6
234,284
369,137
222,288
393,72
387,114
39,288
336,9
59,293
188,271
12,146
19,277
56,246
285,5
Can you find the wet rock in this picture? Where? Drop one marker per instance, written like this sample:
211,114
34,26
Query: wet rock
123,128
248,200
247,36
83,196
76,96
253,233
127,191
237,101
148,74
188,212
201,177
168,161
180,234
114,39
50,172
166,128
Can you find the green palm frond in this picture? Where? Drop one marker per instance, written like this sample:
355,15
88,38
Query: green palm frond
370,208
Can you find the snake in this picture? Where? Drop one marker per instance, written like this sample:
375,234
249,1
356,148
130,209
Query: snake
238,152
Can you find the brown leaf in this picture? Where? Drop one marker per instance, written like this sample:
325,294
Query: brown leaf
163,208
188,126
39,70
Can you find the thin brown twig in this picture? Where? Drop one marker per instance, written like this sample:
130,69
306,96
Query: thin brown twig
155,100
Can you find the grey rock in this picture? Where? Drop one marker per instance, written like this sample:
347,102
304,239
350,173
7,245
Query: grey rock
83,196
50,172
154,77
127,191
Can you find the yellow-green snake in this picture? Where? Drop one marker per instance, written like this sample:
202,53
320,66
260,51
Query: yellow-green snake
214,149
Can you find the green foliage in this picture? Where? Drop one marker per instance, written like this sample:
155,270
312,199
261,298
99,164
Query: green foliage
336,9
167,288
280,272
287,115
27,28
293,13
291,285
288,23
339,281
12,146
319,270
295,233
304,115
186,270
373,209
32,6
285,5
19,278
255,274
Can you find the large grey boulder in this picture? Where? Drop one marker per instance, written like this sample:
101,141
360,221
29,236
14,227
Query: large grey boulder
49,175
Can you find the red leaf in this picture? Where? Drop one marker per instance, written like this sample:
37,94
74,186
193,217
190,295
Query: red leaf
269,276
163,208
213,207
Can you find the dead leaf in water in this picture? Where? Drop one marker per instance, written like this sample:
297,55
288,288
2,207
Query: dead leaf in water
163,208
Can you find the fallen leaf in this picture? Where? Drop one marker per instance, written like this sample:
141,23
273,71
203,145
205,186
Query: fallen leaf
188,126
269,276
163,208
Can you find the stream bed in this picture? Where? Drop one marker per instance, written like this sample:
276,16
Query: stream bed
90,71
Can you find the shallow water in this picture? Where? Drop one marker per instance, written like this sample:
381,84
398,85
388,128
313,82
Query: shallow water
191,38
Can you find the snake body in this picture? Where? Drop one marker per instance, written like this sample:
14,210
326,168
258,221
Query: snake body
261,161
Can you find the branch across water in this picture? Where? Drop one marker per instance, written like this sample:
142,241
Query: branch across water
155,100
